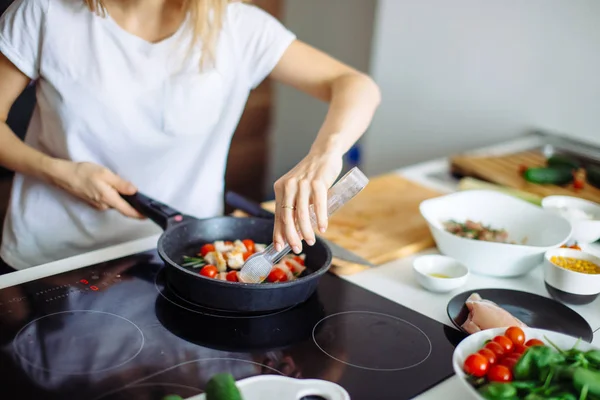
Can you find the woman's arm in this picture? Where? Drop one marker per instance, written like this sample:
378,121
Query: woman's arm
92,183
353,98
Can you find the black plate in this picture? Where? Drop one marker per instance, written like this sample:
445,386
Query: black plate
533,310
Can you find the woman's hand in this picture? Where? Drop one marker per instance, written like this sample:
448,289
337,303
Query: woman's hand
94,184
307,183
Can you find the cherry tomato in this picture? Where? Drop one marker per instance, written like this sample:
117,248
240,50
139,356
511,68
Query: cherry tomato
209,271
247,255
289,265
277,275
489,355
499,373
476,365
578,184
515,334
510,361
207,248
496,348
299,260
534,342
519,349
249,245
232,276
505,342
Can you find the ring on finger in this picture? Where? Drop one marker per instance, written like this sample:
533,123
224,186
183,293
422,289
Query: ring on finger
290,207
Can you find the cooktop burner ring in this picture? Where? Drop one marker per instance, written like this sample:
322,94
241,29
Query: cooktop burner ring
125,357
201,309
142,381
418,356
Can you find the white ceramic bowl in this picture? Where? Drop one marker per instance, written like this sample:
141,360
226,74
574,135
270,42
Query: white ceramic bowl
584,230
263,387
455,274
474,342
540,229
570,286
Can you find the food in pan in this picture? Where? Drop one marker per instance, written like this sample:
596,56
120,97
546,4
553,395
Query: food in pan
485,314
477,231
223,259
512,366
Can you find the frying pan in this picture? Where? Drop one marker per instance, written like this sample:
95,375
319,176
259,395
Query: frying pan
185,235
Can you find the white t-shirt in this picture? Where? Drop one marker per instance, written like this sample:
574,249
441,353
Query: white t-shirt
143,110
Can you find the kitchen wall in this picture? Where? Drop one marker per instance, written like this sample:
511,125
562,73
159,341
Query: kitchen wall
461,74
454,75
342,28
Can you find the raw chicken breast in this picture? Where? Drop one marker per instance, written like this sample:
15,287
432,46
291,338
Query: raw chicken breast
485,314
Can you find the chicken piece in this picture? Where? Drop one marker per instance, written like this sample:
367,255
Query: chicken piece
222,276
259,248
211,258
221,263
221,247
239,246
235,259
485,314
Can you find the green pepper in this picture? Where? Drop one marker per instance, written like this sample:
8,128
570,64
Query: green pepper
498,391
587,378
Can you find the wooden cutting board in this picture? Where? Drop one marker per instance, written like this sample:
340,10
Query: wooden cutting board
504,170
382,223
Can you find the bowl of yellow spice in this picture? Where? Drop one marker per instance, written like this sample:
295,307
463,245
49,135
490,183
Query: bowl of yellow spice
572,276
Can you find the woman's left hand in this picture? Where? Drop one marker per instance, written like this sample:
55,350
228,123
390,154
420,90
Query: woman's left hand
307,183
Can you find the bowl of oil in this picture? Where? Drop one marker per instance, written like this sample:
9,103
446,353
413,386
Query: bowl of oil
440,274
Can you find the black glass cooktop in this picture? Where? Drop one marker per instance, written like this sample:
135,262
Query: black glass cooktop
116,331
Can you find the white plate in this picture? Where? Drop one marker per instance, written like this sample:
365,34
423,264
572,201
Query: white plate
476,341
276,387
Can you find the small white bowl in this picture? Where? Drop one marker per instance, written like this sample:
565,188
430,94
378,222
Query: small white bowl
476,341
584,230
452,274
569,286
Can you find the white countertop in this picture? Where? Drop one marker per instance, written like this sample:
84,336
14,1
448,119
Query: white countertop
393,280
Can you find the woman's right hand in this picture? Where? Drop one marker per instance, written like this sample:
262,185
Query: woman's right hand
94,184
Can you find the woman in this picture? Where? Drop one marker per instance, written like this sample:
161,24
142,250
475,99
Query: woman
146,95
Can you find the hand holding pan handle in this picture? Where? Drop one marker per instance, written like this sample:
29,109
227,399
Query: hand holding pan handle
160,213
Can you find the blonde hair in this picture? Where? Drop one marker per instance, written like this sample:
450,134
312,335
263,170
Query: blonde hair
207,21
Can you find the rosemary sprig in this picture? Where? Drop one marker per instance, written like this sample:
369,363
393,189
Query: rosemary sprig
194,262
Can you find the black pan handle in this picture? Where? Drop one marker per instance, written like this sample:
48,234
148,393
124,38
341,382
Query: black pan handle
160,213
248,206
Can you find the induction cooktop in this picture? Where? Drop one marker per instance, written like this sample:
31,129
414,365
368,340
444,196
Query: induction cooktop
116,330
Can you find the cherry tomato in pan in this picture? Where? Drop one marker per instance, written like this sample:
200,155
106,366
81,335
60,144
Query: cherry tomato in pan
505,342
232,276
476,365
249,245
489,355
534,342
299,260
277,275
207,248
499,373
289,265
210,271
496,348
247,255
515,334
510,361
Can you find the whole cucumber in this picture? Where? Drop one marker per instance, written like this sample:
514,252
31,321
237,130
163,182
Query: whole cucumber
593,175
551,176
560,161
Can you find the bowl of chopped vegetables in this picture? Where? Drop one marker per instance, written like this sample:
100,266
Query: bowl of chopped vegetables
527,363
572,276
493,233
